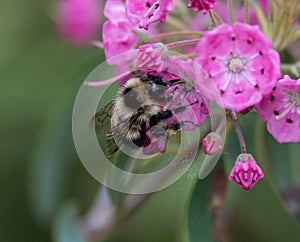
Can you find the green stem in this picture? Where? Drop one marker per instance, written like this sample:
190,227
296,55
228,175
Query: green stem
176,34
217,18
240,136
261,17
246,11
182,43
212,17
230,11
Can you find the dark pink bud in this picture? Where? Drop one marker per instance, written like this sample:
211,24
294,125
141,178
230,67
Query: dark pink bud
245,172
201,5
212,143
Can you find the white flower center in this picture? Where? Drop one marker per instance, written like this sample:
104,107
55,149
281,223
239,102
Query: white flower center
295,98
236,65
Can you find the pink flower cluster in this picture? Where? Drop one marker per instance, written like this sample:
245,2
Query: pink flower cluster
233,65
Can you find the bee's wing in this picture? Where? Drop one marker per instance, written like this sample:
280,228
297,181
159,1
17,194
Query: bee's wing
102,122
111,146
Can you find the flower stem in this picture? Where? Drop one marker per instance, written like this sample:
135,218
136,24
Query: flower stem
212,17
261,17
182,43
105,82
217,18
230,11
240,136
176,34
246,3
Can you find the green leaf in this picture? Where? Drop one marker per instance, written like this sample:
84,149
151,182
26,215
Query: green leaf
199,216
164,216
209,162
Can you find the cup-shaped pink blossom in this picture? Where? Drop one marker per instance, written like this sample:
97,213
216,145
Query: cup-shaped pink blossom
117,38
240,63
146,12
212,143
281,110
245,172
117,33
78,20
151,57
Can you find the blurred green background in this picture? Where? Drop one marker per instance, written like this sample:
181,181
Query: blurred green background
40,76
40,171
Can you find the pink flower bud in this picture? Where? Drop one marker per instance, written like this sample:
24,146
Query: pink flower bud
245,172
201,5
212,143
78,20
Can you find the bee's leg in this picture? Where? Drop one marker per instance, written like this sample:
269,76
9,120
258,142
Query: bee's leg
137,128
175,81
172,95
172,128
169,113
161,116
139,141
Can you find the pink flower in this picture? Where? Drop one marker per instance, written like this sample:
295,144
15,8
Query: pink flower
117,32
240,64
245,172
188,106
212,143
155,143
146,12
117,38
281,110
151,57
78,20
203,5
192,107
114,10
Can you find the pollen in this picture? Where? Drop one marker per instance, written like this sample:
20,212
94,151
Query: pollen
295,98
236,65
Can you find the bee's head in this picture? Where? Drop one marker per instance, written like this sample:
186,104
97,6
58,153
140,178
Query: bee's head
157,91
157,86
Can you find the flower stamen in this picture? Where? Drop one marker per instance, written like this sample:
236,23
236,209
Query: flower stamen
155,6
286,111
236,65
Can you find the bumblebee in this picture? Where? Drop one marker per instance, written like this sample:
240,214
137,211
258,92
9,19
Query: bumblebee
138,107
